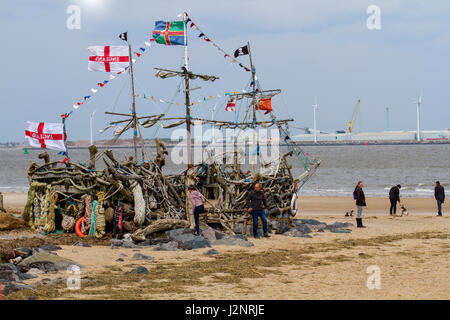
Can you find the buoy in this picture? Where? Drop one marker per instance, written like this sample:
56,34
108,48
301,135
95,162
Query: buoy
78,229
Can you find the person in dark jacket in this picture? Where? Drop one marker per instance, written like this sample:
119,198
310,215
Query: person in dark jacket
394,197
358,195
257,206
439,195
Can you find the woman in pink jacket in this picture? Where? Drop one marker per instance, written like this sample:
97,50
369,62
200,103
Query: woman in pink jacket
197,201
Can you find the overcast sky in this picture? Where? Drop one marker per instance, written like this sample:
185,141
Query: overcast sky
310,49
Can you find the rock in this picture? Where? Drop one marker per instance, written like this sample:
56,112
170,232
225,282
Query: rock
8,222
211,252
116,242
168,246
188,239
23,252
7,276
280,226
59,262
293,233
303,228
209,234
120,260
140,256
130,245
307,221
82,244
35,271
236,240
123,255
341,230
318,227
44,266
139,270
14,287
49,247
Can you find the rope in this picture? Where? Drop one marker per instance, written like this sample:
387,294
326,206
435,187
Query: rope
93,218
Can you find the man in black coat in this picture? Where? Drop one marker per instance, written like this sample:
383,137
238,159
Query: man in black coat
439,195
394,197
257,206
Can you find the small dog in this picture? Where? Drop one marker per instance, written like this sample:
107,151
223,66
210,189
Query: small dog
349,214
404,210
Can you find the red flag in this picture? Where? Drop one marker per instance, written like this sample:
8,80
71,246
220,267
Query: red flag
231,105
65,160
264,104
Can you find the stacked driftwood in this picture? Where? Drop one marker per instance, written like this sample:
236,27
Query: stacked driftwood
123,197
126,197
226,187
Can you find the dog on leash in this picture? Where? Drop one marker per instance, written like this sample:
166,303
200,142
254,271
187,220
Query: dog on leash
349,214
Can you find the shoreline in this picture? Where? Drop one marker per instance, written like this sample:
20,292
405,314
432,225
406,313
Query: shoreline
308,205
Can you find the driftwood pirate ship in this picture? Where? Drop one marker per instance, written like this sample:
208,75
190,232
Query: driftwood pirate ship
137,197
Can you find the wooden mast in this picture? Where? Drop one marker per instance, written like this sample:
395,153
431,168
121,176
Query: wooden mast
133,106
253,105
188,119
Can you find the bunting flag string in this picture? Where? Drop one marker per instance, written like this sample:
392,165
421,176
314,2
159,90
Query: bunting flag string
208,39
111,77
199,100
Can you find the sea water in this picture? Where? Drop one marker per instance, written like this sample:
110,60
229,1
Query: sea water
415,167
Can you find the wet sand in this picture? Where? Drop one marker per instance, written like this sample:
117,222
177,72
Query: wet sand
412,254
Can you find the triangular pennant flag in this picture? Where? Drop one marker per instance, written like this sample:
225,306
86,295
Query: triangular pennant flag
177,104
148,44
192,24
153,98
101,84
207,40
145,96
142,49
86,97
201,35
210,97
75,106
134,60
112,76
65,160
25,151
105,82
161,100
62,153
226,55
94,90
138,54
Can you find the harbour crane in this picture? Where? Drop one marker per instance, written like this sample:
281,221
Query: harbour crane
351,123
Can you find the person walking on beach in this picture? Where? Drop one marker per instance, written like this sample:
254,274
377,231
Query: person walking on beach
394,197
197,201
439,195
358,195
257,206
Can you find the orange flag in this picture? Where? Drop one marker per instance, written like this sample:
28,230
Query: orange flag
264,104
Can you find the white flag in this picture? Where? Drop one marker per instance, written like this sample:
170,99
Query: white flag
108,58
45,135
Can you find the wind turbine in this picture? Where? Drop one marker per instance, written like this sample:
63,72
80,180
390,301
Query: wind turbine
418,103
315,106
90,122
387,119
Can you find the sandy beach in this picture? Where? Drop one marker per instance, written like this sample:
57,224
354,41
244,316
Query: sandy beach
412,254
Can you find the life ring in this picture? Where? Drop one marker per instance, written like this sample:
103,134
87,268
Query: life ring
77,228
294,204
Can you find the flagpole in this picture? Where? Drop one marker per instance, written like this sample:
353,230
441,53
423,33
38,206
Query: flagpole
188,117
65,137
133,104
253,106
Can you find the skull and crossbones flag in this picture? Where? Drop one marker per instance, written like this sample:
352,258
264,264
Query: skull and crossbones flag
124,36
241,51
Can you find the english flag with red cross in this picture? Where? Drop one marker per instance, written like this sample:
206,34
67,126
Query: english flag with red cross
45,135
108,58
